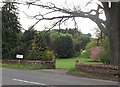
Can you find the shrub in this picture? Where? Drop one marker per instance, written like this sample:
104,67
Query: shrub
48,56
106,54
95,51
105,57
86,53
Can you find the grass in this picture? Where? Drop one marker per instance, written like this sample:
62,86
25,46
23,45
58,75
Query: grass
0,65
79,73
70,63
23,66
60,64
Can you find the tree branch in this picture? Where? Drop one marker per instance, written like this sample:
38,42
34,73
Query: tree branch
71,14
75,23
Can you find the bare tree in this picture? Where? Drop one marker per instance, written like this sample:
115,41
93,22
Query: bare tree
109,26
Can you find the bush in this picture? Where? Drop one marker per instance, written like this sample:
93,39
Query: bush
86,53
48,56
106,54
105,57
95,51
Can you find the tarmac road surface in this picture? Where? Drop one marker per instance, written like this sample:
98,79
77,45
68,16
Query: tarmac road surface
36,77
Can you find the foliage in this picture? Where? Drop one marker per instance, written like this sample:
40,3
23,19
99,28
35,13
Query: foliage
38,47
105,57
10,29
69,31
95,51
25,42
79,39
53,36
86,53
109,26
48,56
85,39
91,44
106,54
64,47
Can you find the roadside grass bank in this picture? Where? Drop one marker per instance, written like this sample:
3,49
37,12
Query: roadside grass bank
23,66
0,65
78,73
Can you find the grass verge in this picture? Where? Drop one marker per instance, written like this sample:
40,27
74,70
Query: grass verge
78,73
0,65
23,66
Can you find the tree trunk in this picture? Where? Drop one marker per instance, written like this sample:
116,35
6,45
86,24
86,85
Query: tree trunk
119,36
113,34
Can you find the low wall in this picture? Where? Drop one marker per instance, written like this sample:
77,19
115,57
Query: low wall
102,69
50,64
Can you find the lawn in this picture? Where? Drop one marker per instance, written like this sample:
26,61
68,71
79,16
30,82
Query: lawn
70,63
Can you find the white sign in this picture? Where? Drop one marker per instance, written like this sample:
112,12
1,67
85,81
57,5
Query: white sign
19,56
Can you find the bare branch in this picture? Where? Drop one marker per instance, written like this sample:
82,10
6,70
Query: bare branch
35,16
50,12
58,22
55,24
75,23
64,20
71,14
89,2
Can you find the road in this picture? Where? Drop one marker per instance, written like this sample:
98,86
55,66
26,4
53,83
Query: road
35,77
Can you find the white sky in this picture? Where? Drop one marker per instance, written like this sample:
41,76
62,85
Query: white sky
84,24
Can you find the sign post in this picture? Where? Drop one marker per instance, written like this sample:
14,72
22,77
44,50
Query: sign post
19,57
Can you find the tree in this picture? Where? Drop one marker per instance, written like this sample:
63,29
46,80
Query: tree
53,36
25,42
109,26
84,41
0,33
38,48
64,47
79,39
10,29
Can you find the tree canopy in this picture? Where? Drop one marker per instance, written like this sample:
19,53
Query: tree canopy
109,26
10,28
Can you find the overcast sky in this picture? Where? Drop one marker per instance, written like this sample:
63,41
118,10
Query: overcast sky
85,25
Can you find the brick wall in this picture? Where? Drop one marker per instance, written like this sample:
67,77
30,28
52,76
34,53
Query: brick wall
50,64
103,69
